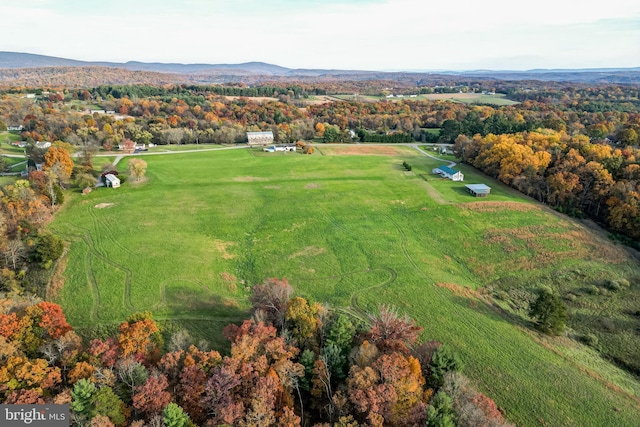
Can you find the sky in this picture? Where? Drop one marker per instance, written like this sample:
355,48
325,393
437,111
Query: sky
332,34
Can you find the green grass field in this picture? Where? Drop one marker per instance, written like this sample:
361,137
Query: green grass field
354,230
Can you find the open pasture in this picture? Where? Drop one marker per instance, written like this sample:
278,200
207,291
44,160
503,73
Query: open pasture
466,98
352,231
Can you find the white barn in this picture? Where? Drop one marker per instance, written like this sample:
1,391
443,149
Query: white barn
260,138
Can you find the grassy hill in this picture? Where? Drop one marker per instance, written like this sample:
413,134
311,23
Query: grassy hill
355,231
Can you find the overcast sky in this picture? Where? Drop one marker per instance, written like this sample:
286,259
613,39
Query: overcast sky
349,34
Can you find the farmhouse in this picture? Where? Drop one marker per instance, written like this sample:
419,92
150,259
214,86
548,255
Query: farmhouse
478,190
260,138
43,144
447,172
111,180
280,147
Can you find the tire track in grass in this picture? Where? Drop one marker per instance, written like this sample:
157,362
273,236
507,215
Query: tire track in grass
354,308
104,225
87,237
127,281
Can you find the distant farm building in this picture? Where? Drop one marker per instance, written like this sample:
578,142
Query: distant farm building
43,144
447,172
280,147
260,138
478,190
111,180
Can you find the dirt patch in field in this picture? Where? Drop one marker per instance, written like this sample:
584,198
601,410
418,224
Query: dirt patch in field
312,186
104,205
498,206
363,150
397,202
230,280
460,291
249,179
222,247
308,251
272,187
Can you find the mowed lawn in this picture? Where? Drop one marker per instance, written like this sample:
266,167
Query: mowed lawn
346,230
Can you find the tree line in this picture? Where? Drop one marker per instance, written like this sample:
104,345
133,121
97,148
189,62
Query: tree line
569,173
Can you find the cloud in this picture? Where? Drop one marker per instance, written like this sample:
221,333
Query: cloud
365,34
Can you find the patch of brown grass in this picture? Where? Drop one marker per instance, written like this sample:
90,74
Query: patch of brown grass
222,247
308,251
104,205
311,186
230,280
499,206
56,283
460,291
249,179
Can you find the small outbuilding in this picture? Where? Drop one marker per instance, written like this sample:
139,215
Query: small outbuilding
447,172
478,190
111,180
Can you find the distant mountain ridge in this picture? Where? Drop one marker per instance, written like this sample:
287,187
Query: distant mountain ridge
19,60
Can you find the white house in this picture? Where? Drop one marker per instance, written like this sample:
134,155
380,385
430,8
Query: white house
281,147
447,172
111,180
43,144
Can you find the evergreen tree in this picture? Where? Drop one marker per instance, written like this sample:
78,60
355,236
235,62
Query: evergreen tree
549,311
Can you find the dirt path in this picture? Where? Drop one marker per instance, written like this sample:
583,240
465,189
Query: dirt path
424,153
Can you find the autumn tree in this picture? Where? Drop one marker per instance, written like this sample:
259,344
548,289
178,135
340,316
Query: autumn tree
152,397
140,336
58,155
270,299
137,168
391,332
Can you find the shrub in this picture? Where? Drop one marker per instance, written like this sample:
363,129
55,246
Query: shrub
616,284
593,290
588,339
502,295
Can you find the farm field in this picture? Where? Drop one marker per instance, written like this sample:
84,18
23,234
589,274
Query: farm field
466,98
355,231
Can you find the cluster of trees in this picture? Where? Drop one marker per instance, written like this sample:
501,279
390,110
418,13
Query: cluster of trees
26,206
293,363
570,173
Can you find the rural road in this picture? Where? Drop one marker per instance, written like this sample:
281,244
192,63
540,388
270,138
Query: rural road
235,147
